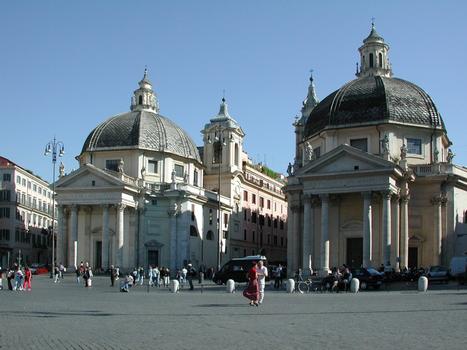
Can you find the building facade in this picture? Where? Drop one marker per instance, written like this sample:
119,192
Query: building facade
26,206
137,198
373,180
258,224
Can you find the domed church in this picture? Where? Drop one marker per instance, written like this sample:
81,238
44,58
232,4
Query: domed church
137,198
373,180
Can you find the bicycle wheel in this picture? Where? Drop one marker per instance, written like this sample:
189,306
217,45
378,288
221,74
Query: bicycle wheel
302,287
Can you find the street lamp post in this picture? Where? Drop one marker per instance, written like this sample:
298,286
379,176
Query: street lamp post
51,148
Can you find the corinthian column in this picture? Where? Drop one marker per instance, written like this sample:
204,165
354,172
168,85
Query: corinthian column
324,234
105,237
59,235
437,202
120,234
306,233
74,236
404,253
386,226
367,230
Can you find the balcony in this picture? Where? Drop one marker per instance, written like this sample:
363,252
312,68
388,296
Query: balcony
439,169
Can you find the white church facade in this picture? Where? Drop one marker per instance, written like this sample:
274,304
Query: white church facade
373,181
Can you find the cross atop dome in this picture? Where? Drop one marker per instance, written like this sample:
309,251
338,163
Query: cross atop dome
145,97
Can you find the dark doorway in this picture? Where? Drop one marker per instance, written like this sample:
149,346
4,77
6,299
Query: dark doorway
153,258
413,257
98,260
354,252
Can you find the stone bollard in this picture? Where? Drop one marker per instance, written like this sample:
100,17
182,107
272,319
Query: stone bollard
422,284
290,285
354,285
174,284
230,286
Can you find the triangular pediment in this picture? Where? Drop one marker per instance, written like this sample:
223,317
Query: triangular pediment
345,159
89,176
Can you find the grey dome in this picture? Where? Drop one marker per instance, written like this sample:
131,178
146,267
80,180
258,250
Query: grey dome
141,129
374,99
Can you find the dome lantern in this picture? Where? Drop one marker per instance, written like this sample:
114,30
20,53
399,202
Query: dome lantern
374,56
145,97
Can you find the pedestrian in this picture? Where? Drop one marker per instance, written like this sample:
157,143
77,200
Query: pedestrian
86,277
78,274
141,275
27,279
251,292
10,275
56,274
191,272
113,273
90,276
62,270
277,277
262,272
150,276
184,275
1,279
18,279
157,276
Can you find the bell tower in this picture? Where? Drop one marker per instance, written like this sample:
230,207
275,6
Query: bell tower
374,56
223,143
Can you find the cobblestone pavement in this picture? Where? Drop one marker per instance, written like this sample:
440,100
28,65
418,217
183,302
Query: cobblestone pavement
68,316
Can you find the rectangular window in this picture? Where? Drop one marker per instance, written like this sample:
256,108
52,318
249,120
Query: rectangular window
361,144
7,177
152,166
192,212
281,224
317,152
39,190
253,198
244,235
112,164
282,241
18,179
269,204
4,212
5,195
275,240
210,216
414,146
34,202
253,218
195,178
29,184
4,235
245,196
226,219
261,202
23,182
34,187
253,236
178,170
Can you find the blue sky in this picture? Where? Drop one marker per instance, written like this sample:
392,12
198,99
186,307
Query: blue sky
67,66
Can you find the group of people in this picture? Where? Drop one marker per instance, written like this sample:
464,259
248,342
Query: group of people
18,278
256,283
84,271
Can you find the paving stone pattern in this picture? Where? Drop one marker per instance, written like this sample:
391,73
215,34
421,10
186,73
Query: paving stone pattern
68,316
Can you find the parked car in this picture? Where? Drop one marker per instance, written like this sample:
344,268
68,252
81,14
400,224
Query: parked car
438,273
38,269
368,277
237,269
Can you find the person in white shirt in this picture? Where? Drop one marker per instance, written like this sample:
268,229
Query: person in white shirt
262,272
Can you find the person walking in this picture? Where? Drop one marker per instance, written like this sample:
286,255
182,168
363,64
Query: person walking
157,274
113,273
191,272
262,272
277,277
27,279
141,275
56,274
78,274
251,292
10,275
62,270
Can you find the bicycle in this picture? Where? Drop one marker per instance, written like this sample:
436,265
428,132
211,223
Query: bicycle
305,286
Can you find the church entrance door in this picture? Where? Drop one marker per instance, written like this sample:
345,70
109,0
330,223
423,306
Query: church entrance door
354,252
413,257
98,253
153,257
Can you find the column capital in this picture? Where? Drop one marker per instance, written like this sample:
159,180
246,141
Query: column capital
405,198
74,207
387,194
315,201
307,197
324,197
395,197
120,206
439,199
367,195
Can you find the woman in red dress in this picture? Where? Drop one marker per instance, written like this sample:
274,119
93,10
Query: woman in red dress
27,279
252,290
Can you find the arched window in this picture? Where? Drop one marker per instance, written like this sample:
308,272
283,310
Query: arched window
217,147
210,236
380,60
371,60
236,155
140,100
193,231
